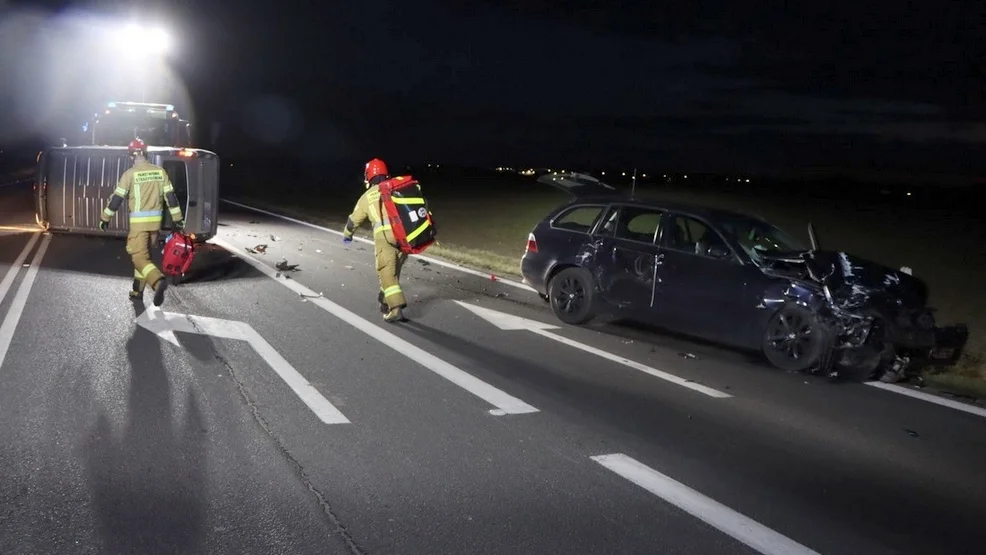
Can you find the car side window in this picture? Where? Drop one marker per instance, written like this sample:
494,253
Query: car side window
695,237
579,218
633,223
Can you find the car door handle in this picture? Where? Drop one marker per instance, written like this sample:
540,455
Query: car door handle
659,259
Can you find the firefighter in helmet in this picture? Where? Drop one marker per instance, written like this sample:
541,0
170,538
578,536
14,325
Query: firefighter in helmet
389,258
148,189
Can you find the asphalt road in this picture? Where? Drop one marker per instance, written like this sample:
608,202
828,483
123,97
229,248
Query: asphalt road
315,427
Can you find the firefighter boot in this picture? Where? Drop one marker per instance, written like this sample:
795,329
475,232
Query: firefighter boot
394,315
137,291
160,288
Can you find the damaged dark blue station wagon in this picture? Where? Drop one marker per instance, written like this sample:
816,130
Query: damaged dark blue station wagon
732,279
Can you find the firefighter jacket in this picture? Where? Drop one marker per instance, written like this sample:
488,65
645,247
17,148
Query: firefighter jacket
369,207
148,188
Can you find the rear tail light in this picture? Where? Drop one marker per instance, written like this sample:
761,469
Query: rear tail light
532,244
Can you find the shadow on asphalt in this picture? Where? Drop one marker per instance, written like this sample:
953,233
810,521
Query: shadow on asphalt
149,483
107,256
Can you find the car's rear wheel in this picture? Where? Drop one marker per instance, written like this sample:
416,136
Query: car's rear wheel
571,294
795,339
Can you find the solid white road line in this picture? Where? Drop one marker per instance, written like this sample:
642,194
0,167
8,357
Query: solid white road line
496,397
435,261
742,528
965,407
20,299
15,268
635,365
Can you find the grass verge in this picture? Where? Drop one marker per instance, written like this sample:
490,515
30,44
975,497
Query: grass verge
495,263
965,379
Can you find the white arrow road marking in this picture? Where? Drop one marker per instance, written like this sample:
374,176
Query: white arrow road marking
165,324
710,511
510,322
507,404
20,298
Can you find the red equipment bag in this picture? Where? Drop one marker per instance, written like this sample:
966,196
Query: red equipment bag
179,251
407,209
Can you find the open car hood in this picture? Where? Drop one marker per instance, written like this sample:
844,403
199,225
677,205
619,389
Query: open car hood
578,184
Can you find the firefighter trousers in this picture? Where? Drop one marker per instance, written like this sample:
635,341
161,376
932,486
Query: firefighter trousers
390,260
139,249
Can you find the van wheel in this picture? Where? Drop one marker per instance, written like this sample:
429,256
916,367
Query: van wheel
571,294
795,339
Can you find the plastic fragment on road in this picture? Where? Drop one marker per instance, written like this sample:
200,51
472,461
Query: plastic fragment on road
262,249
304,297
687,355
285,267
274,237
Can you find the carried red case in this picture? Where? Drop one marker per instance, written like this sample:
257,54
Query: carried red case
179,251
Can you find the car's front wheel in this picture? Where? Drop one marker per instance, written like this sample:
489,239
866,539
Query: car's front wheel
795,339
572,295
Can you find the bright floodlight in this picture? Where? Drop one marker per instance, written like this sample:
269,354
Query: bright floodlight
159,41
136,40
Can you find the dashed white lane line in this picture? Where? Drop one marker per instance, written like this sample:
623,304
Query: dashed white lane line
710,511
508,404
20,298
435,261
964,407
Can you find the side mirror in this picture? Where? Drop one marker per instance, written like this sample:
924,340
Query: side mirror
718,251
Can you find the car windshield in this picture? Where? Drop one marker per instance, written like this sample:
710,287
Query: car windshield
758,237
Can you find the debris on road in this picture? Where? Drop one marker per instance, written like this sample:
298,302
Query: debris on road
274,237
911,433
687,355
304,297
424,262
348,267
254,222
285,267
262,249
319,251
499,295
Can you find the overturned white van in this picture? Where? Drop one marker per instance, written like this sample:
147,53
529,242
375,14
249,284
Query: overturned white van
74,183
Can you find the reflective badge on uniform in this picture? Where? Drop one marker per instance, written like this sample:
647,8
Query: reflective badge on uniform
422,212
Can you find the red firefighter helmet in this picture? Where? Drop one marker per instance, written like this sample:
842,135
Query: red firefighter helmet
136,146
374,168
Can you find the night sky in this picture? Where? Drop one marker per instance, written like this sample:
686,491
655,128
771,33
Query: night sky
726,86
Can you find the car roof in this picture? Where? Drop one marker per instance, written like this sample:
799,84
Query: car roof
705,212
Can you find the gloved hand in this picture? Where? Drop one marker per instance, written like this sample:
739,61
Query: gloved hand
103,225
346,240
180,225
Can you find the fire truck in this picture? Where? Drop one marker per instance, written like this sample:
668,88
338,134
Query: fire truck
118,123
